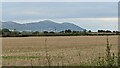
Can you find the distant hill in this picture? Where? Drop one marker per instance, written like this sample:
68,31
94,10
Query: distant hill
45,25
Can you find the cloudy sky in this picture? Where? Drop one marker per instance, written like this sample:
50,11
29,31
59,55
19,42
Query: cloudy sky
89,15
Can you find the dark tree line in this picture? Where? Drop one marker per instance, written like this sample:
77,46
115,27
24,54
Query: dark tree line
14,33
108,31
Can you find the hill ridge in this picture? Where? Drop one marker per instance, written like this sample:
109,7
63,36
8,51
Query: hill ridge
46,25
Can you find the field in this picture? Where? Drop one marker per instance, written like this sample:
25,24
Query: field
55,51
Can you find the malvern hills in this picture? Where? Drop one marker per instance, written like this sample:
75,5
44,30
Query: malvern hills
46,25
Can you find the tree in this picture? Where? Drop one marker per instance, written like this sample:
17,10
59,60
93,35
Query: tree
52,32
89,31
62,31
108,31
101,30
74,31
0,32
68,31
36,32
45,32
6,32
114,31
85,31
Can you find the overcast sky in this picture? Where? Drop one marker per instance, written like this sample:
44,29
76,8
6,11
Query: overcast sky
89,15
60,0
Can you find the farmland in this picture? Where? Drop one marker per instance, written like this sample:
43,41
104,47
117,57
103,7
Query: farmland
55,51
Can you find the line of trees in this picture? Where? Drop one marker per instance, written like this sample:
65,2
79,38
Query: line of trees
14,33
108,31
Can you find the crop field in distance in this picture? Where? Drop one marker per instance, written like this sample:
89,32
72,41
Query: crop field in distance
56,50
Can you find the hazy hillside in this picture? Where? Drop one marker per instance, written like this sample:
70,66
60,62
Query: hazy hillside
41,26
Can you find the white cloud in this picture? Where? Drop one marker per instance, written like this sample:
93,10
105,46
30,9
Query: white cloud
92,19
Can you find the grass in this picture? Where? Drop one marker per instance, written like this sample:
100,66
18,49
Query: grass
60,51
22,57
48,57
110,58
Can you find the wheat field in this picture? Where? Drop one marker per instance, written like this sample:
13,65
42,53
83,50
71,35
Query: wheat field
58,50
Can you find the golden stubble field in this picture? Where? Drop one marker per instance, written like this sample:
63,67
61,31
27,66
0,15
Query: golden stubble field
55,51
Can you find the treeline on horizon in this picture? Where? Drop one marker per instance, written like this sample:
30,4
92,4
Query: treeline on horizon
15,33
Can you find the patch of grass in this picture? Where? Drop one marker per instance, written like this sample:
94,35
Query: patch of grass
22,57
110,59
73,51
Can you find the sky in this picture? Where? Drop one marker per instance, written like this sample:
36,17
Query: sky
60,0
88,15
